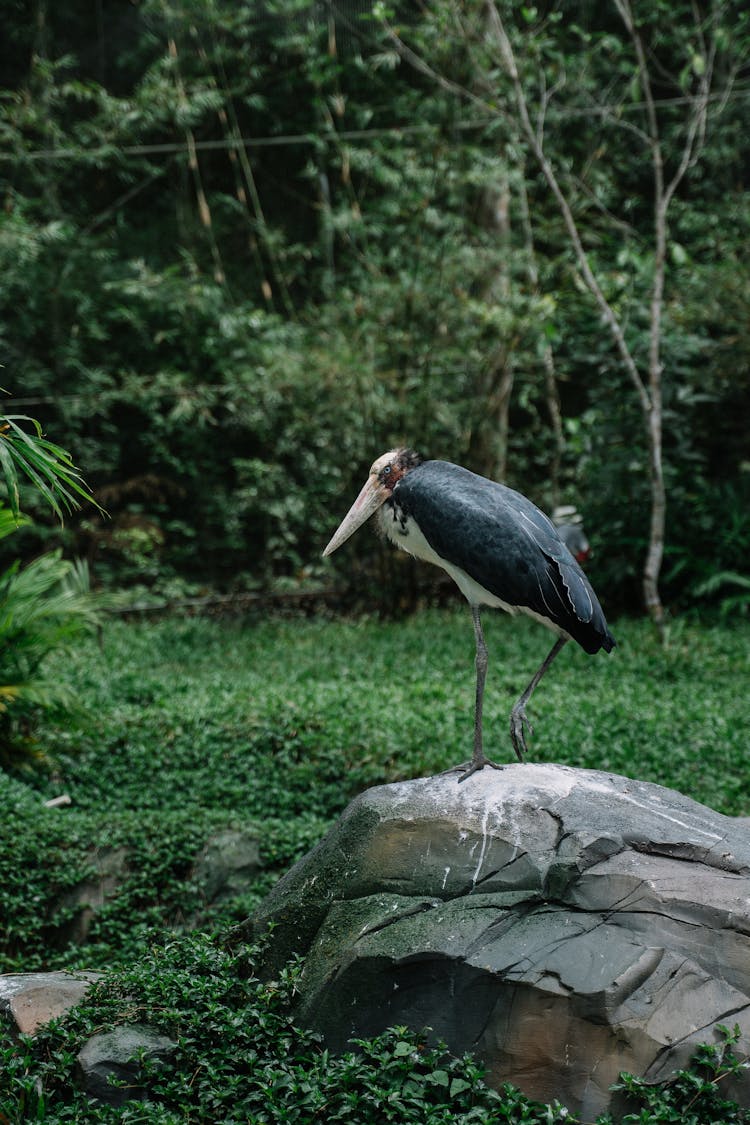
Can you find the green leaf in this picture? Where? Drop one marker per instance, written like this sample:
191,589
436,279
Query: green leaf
439,1078
10,522
48,466
679,254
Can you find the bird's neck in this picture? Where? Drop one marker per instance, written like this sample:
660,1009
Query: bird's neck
395,524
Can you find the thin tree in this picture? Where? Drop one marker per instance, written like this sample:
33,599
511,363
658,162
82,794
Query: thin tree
648,383
669,166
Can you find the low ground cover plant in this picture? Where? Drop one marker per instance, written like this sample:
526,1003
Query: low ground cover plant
187,726
241,1059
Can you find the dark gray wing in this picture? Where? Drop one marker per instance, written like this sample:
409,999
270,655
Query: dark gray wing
506,544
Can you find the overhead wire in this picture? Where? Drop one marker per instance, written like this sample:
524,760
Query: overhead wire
171,147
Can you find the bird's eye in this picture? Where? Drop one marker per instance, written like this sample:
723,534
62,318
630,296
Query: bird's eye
387,470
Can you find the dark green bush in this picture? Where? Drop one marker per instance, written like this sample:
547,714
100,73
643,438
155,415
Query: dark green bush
240,331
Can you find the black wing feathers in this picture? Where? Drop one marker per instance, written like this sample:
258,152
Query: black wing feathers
503,541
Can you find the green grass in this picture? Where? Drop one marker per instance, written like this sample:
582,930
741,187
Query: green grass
292,717
191,725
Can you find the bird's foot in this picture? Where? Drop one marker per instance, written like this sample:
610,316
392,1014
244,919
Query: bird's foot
518,721
477,763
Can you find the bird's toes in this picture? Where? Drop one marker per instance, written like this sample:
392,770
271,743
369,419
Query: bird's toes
519,720
474,766
456,769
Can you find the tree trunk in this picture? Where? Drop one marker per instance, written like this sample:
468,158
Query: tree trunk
489,439
655,553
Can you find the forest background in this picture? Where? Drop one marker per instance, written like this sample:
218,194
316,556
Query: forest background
245,249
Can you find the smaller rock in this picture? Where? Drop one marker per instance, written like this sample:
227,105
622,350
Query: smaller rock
109,869
228,864
114,1055
33,999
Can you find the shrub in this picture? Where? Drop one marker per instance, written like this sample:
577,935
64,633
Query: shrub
47,605
44,607
692,1096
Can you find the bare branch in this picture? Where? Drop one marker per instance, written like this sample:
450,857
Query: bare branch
696,133
544,101
653,417
611,115
552,394
204,209
447,84
626,14
584,264
615,221
661,202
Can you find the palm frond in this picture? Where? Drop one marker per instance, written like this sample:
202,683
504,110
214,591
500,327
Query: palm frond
10,522
39,692
9,693
48,466
721,579
44,606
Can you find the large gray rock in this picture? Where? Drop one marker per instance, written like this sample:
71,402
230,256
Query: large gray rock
562,924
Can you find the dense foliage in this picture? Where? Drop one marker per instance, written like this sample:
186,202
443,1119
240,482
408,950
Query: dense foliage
244,249
44,608
46,605
249,1061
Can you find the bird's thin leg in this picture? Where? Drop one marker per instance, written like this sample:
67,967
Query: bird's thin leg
480,663
478,760
518,713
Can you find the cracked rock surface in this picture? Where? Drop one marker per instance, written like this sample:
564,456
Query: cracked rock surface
562,924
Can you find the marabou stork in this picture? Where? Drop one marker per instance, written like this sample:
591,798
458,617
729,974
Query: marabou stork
569,524
498,548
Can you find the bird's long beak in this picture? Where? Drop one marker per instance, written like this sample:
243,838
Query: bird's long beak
367,503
